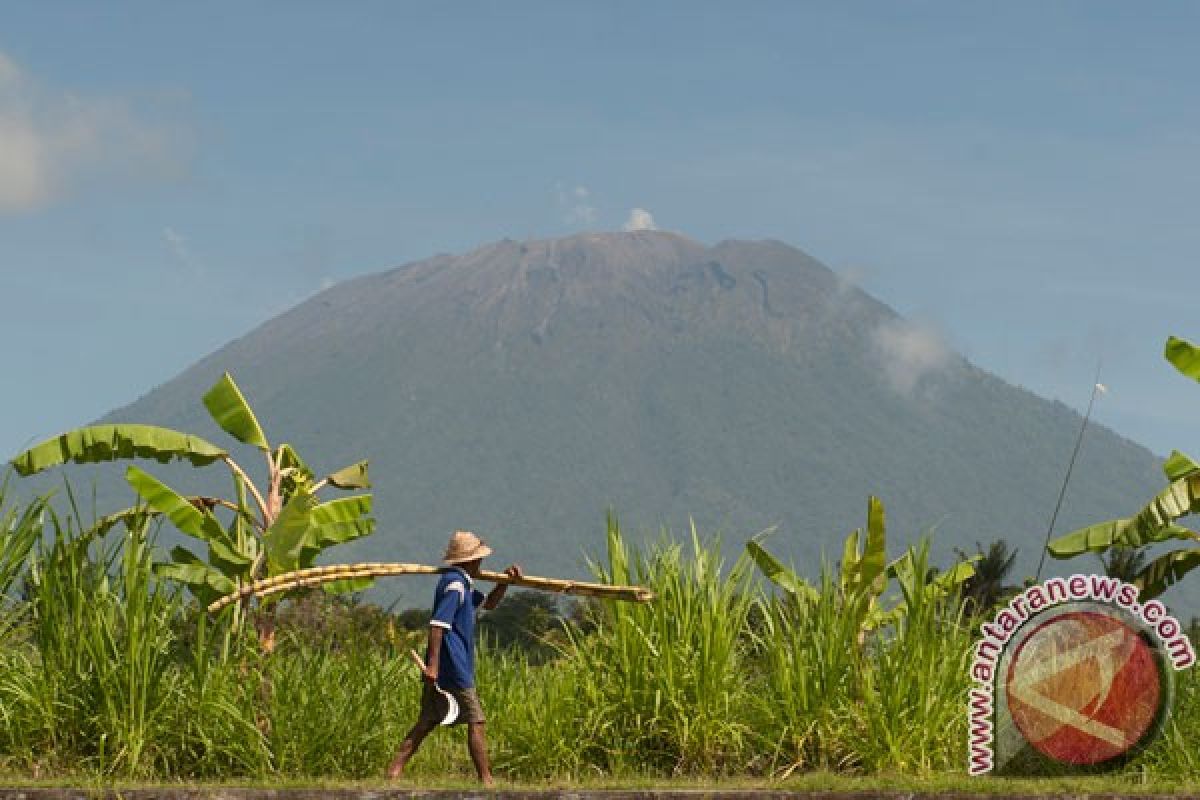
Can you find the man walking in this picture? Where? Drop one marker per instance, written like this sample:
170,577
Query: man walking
450,657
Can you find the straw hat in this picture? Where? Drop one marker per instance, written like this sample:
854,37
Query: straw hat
465,546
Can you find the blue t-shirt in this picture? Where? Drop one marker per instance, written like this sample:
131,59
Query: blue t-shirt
454,605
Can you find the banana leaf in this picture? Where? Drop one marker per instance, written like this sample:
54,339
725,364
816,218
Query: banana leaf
1164,571
229,408
1179,499
294,474
949,581
1184,355
336,522
351,477
916,586
286,538
228,559
860,572
98,443
1096,538
903,571
874,560
289,459
1154,523
182,513
781,576
205,582
1179,466
341,520
850,557
1100,537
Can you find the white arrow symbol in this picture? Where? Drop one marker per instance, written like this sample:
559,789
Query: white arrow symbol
1102,649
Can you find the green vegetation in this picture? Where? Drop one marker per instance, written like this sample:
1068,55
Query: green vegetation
286,529
989,585
864,576
1157,521
109,673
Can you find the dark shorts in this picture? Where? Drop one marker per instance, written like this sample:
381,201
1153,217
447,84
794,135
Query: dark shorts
433,705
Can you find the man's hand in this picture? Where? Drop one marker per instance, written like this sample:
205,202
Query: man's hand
497,594
428,671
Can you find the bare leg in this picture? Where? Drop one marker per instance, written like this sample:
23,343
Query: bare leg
407,748
477,745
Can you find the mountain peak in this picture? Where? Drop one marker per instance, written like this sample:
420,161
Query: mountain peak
613,250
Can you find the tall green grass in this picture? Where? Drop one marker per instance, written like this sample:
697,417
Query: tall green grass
21,527
668,679
915,680
810,669
97,659
1174,752
107,672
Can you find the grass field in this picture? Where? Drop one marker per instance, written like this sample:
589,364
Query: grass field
107,675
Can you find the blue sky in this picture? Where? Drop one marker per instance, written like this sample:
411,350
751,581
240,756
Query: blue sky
1022,178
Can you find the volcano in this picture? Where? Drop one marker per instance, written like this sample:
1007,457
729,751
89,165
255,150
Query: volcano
524,389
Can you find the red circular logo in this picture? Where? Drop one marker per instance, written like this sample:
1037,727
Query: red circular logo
1083,688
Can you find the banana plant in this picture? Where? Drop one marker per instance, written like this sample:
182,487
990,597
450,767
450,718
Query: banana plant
267,530
865,573
1157,521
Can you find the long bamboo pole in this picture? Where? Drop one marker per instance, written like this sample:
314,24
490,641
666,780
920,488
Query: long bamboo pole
315,576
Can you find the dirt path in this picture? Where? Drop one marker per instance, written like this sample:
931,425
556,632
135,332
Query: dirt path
549,794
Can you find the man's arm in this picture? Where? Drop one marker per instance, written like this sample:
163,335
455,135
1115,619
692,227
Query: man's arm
497,594
435,653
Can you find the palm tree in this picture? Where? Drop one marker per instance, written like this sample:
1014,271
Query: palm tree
1125,563
984,590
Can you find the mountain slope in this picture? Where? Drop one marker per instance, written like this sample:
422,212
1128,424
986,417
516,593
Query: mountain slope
521,389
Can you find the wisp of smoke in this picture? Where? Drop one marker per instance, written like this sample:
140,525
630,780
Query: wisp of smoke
910,351
576,205
640,220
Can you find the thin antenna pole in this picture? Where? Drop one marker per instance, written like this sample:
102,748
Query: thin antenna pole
1096,389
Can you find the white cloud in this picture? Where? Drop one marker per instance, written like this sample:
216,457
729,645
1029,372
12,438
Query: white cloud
911,351
52,141
640,220
576,205
178,245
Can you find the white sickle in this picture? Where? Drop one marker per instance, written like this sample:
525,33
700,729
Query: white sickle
451,703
